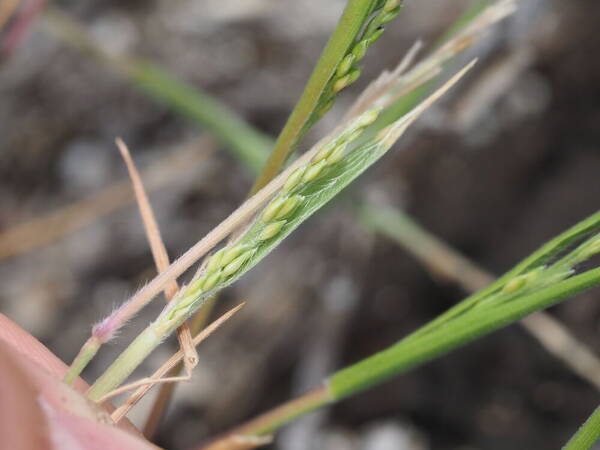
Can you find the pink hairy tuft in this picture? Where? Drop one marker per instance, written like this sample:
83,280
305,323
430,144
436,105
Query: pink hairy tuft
107,328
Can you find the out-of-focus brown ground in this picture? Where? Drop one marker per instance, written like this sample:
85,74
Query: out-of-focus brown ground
494,174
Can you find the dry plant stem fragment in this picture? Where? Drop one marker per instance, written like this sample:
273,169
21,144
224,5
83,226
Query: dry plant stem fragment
141,383
106,329
83,212
161,401
122,410
306,189
159,252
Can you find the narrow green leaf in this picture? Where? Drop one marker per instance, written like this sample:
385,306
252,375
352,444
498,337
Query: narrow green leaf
409,353
536,259
587,435
318,95
248,144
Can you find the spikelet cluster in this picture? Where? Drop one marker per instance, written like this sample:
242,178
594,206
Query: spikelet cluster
347,72
230,262
546,275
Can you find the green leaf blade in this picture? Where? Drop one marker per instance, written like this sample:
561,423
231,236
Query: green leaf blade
407,354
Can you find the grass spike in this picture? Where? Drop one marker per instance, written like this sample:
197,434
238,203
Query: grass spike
262,237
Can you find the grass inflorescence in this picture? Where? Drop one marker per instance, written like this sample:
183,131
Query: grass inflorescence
360,26
306,187
372,126
347,71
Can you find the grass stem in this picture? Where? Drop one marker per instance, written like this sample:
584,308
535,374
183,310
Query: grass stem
444,261
85,355
159,252
271,421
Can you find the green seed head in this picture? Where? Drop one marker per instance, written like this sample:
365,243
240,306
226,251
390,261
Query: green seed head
591,248
232,253
373,25
289,206
236,264
325,107
212,280
534,274
271,230
313,171
353,76
526,279
194,287
336,155
368,117
324,152
294,178
215,261
388,16
354,136
515,284
345,65
272,209
374,37
390,5
360,49
340,84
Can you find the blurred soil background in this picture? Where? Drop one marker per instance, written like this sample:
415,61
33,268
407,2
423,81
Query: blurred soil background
508,160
